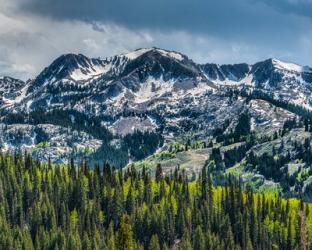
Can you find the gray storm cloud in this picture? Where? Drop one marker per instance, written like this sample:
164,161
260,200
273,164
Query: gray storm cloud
34,32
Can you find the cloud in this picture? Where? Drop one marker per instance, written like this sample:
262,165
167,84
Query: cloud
297,7
30,43
224,18
33,33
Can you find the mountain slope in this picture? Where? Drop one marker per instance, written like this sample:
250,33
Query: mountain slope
154,90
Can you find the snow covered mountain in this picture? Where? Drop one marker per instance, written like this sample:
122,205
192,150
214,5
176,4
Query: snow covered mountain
151,90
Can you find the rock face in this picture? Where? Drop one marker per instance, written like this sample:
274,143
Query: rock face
148,90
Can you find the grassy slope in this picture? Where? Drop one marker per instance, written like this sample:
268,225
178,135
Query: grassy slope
191,161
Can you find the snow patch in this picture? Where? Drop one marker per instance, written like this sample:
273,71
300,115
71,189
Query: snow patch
248,81
137,53
171,54
153,88
290,66
94,70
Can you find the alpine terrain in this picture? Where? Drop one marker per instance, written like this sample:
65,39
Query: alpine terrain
155,107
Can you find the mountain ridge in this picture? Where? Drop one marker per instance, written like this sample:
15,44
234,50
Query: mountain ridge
72,61
77,68
152,89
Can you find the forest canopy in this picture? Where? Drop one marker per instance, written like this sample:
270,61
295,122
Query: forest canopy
73,207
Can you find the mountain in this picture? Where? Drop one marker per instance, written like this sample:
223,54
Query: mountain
125,108
154,89
132,88
145,74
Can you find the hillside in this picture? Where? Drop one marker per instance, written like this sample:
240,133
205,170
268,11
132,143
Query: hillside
64,207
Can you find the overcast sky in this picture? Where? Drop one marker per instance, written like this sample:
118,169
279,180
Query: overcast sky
34,32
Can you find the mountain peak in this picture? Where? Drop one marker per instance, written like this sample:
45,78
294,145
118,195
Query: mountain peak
137,53
167,53
289,66
9,85
8,79
74,66
70,61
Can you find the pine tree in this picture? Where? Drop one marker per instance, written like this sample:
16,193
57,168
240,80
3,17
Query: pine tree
154,243
110,243
159,173
289,235
185,242
125,234
86,243
199,239
74,241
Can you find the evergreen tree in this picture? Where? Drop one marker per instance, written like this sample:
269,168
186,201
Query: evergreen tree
159,173
154,243
125,234
199,240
